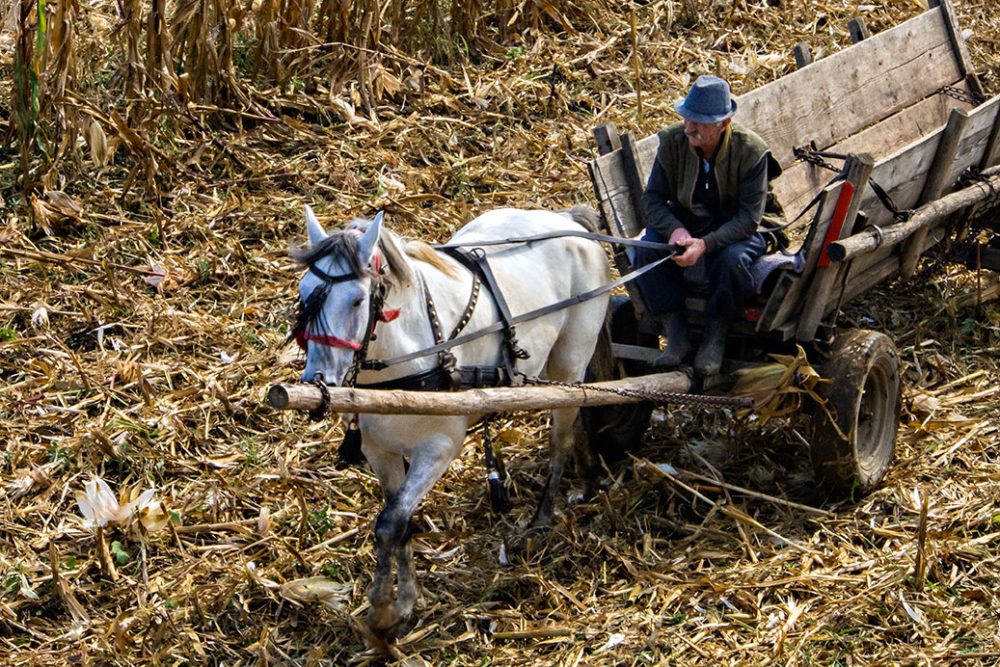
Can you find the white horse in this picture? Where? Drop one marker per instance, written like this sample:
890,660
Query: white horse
348,269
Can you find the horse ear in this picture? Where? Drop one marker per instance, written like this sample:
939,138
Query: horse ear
369,242
313,228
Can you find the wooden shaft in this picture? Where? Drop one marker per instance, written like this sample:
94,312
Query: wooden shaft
474,401
868,240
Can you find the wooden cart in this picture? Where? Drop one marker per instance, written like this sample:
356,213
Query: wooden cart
908,113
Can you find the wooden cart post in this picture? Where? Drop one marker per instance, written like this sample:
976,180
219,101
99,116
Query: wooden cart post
859,169
938,180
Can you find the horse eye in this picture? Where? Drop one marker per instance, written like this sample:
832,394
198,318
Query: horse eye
357,304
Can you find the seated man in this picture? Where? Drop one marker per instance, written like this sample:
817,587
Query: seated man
706,193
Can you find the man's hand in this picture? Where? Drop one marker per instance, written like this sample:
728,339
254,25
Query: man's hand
679,235
694,248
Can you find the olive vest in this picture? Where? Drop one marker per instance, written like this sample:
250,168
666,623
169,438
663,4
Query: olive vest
741,149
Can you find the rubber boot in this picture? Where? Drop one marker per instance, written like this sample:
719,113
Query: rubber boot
708,361
675,330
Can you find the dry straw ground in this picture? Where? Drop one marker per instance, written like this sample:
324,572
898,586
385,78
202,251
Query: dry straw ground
146,294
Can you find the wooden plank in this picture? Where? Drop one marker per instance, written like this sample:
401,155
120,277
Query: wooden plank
858,30
859,168
801,181
961,51
614,195
902,175
607,139
839,95
636,352
975,141
991,154
637,173
785,299
939,179
617,215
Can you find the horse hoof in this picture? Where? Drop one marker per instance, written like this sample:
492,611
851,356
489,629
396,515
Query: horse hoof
388,625
383,623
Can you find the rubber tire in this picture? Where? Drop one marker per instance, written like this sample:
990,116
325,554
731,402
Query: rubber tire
863,395
615,430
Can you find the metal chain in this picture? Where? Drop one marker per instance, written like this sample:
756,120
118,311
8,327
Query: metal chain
814,157
961,95
659,397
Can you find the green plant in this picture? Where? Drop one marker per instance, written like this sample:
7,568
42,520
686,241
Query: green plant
57,453
119,553
251,453
16,581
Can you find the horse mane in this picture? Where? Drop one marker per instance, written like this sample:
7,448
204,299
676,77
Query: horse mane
422,252
394,249
339,244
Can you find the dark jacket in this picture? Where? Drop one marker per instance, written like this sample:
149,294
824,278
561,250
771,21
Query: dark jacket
740,167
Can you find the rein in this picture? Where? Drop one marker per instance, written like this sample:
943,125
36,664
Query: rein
477,264
380,364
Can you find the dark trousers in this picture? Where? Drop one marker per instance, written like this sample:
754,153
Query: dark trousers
725,272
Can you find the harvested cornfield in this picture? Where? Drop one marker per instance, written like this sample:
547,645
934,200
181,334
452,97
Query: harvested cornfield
154,167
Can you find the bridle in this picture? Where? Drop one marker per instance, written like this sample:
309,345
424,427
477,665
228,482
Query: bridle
310,309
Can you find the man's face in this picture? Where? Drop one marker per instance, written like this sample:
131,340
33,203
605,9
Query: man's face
705,136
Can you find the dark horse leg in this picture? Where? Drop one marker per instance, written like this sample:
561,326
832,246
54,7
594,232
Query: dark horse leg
561,438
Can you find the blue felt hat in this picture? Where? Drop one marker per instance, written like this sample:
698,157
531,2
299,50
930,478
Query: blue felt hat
709,101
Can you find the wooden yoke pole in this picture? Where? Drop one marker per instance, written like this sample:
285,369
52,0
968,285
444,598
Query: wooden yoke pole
477,401
938,180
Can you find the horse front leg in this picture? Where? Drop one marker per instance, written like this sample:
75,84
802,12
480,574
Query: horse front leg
561,436
393,531
390,470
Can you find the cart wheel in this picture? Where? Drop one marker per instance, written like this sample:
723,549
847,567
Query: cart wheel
615,430
863,396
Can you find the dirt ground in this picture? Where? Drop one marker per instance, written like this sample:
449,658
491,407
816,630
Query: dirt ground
143,318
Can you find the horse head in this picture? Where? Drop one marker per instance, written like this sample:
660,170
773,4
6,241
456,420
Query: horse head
336,296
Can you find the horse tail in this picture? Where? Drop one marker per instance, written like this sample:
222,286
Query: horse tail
585,216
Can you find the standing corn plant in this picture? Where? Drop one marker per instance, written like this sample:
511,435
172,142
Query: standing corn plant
31,37
44,71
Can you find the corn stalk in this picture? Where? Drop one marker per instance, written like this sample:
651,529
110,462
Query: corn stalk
31,35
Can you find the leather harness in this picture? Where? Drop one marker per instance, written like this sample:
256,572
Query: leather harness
447,375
